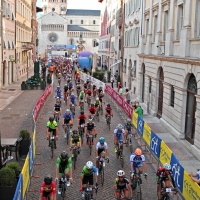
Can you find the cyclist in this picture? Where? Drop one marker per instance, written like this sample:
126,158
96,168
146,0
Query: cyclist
92,110
90,127
87,176
118,132
122,184
67,119
72,99
100,90
88,94
81,96
164,174
101,150
75,141
78,86
59,78
58,109
48,189
101,95
108,111
58,92
81,119
94,90
70,85
97,103
63,168
128,127
65,92
52,126
137,160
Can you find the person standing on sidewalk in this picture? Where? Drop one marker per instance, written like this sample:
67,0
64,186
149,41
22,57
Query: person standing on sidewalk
119,86
127,96
112,81
139,110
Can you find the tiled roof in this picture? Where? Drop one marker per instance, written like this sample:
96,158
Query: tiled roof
82,28
83,12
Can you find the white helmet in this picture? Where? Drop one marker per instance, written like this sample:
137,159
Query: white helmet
167,166
97,98
120,127
89,165
120,173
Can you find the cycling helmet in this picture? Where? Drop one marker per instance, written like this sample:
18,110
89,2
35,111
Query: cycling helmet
90,120
92,105
51,119
82,92
138,152
108,105
75,132
48,179
68,111
58,86
63,155
72,94
101,140
97,98
128,120
120,127
167,166
120,173
89,165
65,84
82,112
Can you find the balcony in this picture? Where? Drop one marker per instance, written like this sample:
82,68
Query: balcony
27,45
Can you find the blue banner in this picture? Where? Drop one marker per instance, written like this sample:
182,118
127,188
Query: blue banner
18,191
140,126
31,158
178,172
155,144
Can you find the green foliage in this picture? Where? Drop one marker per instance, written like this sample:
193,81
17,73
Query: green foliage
7,176
24,134
14,166
99,74
109,74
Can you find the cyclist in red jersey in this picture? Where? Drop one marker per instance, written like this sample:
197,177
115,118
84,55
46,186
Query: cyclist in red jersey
88,94
48,189
92,110
108,111
81,119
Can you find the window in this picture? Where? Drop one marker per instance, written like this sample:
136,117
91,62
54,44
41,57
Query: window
165,25
150,85
71,41
179,21
172,96
147,27
94,43
155,27
198,19
119,44
81,21
94,22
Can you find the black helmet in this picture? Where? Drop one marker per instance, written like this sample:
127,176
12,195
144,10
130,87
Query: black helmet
82,112
108,105
51,119
92,105
63,155
75,132
48,179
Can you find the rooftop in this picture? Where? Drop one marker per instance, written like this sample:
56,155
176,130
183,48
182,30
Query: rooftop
83,12
82,28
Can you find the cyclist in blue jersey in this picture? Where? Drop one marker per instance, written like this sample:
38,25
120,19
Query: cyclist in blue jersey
118,135
137,160
58,92
67,119
128,128
70,85
72,99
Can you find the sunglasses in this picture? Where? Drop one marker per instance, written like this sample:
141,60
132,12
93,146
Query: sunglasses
120,177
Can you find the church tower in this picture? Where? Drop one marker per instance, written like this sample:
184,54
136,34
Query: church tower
58,6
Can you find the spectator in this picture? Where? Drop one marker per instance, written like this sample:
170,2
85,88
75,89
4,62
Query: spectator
119,86
121,91
116,74
133,104
85,70
195,177
112,81
127,96
139,110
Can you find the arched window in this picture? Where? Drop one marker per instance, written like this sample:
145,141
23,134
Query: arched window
71,41
71,21
94,43
81,21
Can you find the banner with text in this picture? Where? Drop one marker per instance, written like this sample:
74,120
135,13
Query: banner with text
18,191
31,158
165,153
25,176
155,144
140,125
135,119
147,133
120,100
40,102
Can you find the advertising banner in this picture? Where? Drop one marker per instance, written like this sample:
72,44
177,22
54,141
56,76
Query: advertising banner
147,133
31,158
25,176
155,144
18,191
34,143
178,172
135,119
40,102
190,188
140,125
165,153
120,100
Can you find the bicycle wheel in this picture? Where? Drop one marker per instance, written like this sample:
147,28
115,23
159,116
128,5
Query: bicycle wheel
63,191
81,135
90,145
52,148
165,197
102,176
75,158
67,134
108,123
121,160
138,191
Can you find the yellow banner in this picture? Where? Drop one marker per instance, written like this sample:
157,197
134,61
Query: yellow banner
34,143
165,153
190,188
134,119
147,133
25,176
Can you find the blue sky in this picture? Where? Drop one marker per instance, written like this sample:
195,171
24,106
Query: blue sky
80,4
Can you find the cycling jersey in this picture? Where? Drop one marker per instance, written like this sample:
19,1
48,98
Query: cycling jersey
92,110
78,86
65,88
121,184
67,117
52,125
108,109
72,99
70,85
75,139
119,134
128,126
82,96
50,189
57,107
97,103
58,93
137,161
89,92
90,126
101,148
85,171
64,165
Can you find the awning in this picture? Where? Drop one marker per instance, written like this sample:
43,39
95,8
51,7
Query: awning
119,61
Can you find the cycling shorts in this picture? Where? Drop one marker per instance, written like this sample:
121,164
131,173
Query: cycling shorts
136,165
119,137
52,130
119,190
87,179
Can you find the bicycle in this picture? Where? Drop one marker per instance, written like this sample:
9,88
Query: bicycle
97,114
119,153
63,180
89,101
59,81
81,133
52,143
90,138
129,141
67,132
72,109
88,190
56,116
78,92
101,169
75,148
108,120
165,193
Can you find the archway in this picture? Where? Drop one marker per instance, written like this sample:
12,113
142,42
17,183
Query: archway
143,81
129,74
160,94
190,119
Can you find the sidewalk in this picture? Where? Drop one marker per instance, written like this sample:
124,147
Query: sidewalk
186,159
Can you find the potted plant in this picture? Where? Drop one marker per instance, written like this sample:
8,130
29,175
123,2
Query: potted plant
8,183
23,85
24,143
43,84
15,167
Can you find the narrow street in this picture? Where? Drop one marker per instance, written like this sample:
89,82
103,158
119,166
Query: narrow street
45,165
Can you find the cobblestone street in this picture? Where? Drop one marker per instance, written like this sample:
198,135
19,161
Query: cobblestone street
45,165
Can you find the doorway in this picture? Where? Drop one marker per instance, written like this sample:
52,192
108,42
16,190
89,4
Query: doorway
129,74
143,81
160,95
190,120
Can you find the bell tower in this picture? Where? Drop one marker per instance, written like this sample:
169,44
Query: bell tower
58,6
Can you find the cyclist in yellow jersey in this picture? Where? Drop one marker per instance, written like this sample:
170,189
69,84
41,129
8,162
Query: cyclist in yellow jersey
97,103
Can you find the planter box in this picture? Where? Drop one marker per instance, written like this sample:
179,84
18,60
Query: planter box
24,86
24,147
7,192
